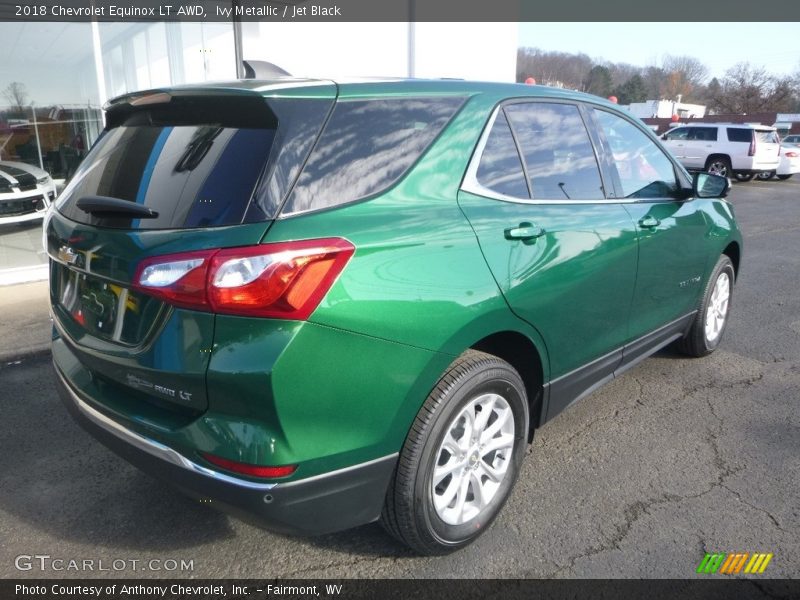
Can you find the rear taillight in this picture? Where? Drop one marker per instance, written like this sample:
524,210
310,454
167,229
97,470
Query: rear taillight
752,150
249,469
179,279
286,280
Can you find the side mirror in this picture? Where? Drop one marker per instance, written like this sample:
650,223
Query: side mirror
706,185
663,136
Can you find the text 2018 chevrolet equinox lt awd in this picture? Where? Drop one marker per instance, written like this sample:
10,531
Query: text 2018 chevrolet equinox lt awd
329,303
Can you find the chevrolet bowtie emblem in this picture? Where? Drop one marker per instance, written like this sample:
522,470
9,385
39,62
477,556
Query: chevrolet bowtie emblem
68,255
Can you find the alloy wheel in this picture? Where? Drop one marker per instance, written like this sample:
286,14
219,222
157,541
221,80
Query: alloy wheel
717,310
473,459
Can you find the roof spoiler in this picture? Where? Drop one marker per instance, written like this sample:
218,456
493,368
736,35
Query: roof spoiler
261,69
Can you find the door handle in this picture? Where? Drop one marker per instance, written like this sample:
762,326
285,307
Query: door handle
649,222
525,231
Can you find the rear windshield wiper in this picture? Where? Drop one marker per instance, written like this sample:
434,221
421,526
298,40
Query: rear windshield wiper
103,206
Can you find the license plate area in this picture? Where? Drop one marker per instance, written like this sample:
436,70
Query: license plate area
103,309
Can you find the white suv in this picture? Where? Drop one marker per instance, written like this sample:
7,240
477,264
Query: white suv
728,149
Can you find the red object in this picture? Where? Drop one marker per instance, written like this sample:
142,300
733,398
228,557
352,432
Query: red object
752,150
530,81
286,280
248,469
675,118
612,99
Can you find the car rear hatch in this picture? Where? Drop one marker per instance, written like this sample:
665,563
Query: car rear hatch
174,172
767,148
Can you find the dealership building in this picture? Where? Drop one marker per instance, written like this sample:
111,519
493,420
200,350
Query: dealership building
55,78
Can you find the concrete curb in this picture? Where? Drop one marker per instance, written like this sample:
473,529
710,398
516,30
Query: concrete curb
7,358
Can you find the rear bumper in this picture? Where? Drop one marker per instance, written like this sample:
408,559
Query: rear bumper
316,505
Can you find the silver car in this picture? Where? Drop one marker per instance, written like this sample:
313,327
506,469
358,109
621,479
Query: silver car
25,192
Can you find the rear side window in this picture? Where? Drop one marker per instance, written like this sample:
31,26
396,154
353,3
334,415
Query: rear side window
196,161
738,134
500,169
559,156
366,147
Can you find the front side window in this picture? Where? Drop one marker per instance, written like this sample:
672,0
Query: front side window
558,154
643,168
679,133
707,134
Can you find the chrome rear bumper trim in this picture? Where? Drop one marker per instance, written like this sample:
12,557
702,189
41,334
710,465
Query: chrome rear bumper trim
153,447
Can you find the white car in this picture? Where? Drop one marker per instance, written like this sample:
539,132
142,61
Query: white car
793,139
739,150
25,192
789,165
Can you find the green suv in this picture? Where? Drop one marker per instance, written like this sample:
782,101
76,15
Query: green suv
323,304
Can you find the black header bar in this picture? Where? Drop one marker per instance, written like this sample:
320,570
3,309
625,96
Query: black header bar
705,587
400,10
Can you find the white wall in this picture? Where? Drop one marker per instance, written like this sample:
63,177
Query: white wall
333,50
664,109
481,51
477,51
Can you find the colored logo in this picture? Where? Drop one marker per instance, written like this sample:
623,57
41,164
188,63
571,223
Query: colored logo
734,563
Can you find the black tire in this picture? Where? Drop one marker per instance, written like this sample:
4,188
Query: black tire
697,341
409,513
783,177
743,177
719,165
766,175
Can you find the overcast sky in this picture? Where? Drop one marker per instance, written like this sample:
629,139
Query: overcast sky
718,46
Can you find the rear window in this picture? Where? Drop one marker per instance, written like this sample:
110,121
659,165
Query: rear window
197,162
366,147
767,137
737,134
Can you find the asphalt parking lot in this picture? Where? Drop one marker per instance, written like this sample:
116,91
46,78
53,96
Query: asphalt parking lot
676,458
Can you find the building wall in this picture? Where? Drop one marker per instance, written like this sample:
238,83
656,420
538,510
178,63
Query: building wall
664,109
482,51
70,69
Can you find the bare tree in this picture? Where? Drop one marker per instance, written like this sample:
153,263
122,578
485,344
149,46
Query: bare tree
743,89
747,89
621,72
553,68
16,94
681,76
653,78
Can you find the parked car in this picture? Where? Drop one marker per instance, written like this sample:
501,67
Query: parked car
793,139
738,150
25,192
789,165
328,304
